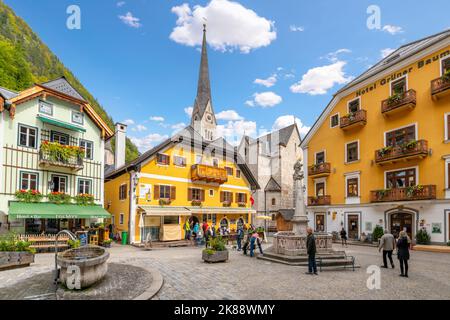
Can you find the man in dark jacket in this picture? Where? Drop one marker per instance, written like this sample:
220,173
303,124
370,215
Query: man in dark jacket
311,250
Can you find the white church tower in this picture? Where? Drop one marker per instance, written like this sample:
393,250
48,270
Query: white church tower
203,117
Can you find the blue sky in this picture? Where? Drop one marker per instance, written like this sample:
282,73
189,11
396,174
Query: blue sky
269,60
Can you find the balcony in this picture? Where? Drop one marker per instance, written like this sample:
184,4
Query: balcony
53,154
354,120
415,193
398,103
319,201
440,87
201,172
319,170
411,150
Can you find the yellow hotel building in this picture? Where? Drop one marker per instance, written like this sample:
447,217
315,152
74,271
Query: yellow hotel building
379,154
193,175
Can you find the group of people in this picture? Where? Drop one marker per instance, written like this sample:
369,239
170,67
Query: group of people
252,239
199,233
388,244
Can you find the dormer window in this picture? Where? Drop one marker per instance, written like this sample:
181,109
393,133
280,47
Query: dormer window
45,108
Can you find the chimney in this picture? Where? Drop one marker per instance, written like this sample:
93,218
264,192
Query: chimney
119,154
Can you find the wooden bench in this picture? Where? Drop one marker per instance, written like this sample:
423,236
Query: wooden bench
45,242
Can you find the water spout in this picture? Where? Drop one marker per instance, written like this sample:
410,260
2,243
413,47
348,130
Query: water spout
73,237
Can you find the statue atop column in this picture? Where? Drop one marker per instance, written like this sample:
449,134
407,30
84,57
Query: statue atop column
300,219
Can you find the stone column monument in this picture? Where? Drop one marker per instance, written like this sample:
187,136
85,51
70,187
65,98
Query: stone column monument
300,219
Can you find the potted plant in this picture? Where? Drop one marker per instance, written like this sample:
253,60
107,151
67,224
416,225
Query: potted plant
395,98
107,243
226,204
409,145
382,193
422,237
15,253
377,233
216,251
242,204
28,195
411,191
446,76
384,151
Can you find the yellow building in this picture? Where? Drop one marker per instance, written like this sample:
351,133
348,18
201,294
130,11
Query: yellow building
193,175
379,154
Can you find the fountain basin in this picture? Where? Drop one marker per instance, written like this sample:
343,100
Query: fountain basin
291,244
91,261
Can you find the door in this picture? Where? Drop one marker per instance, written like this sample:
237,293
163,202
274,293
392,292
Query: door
61,138
353,226
320,222
401,221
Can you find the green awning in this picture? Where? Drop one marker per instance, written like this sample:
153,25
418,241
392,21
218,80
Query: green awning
61,124
47,210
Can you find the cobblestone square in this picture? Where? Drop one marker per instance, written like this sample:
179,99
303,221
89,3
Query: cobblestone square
187,277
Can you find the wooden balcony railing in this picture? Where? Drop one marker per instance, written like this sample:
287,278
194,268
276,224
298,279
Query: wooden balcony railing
321,169
415,193
201,172
57,159
410,150
319,201
440,87
406,100
358,118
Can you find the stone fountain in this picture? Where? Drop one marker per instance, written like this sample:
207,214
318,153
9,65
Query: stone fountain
289,247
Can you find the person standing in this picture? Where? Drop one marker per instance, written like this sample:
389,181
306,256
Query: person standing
195,231
403,253
253,241
311,250
343,237
387,243
187,230
240,236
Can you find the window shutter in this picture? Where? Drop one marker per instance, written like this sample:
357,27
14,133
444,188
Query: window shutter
245,197
168,160
202,195
222,196
237,197
448,127
173,193
156,193
231,196
189,194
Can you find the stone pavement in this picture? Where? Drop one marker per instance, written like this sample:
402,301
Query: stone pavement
187,277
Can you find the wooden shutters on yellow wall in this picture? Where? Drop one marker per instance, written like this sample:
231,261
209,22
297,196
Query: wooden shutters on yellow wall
173,192
156,193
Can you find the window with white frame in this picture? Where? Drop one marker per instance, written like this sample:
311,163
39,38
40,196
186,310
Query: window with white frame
334,120
88,147
179,161
84,186
352,152
399,87
447,126
29,181
27,136
121,218
352,186
354,105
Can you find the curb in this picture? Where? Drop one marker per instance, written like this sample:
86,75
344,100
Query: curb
156,285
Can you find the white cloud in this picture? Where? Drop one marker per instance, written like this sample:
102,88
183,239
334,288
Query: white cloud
266,99
188,111
228,115
130,20
385,52
295,28
319,80
232,26
121,3
178,126
333,56
157,119
139,128
250,103
287,120
149,141
269,82
128,122
392,29
234,130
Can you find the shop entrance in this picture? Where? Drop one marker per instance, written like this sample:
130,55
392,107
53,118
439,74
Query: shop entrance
353,226
401,221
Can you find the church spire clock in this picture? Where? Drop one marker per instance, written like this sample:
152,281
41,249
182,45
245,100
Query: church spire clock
203,117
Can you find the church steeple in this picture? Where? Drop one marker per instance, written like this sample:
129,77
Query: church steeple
203,118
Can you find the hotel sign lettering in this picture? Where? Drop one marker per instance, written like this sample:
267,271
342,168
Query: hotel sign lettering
397,75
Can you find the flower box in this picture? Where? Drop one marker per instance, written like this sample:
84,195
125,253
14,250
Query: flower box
211,256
